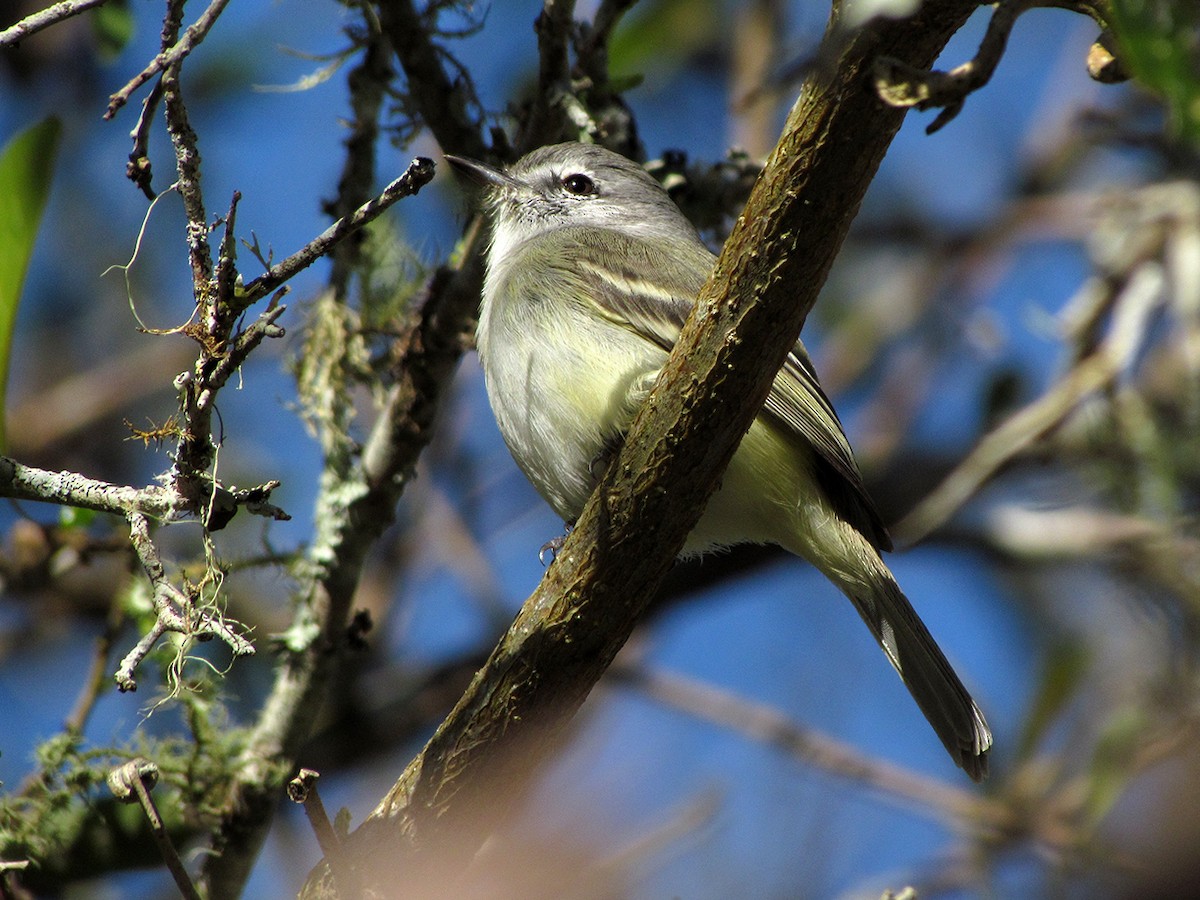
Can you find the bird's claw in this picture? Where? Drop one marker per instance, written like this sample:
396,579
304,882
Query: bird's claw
552,547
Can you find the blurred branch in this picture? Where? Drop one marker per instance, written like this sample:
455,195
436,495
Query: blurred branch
369,83
768,725
56,412
440,100
1133,245
546,118
51,15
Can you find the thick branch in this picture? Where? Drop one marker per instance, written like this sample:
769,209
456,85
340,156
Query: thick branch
629,534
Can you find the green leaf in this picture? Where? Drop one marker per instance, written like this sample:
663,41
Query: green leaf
26,167
1160,44
75,517
662,34
112,24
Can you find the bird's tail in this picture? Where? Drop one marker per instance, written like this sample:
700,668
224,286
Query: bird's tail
913,652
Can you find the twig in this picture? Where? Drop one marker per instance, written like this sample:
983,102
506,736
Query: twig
174,611
226,274
51,15
169,57
419,173
131,783
138,169
263,327
902,85
303,790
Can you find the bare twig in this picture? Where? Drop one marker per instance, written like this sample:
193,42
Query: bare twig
131,783
138,169
303,789
418,174
169,57
902,85
51,15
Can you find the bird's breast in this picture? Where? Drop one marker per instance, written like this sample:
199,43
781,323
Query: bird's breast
559,383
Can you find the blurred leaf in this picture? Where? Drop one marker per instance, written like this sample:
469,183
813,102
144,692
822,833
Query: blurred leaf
664,34
75,517
1112,761
113,26
26,167
1065,668
1160,44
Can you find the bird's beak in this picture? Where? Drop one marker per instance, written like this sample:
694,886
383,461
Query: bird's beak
482,174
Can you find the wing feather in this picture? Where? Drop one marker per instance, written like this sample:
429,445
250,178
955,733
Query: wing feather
657,310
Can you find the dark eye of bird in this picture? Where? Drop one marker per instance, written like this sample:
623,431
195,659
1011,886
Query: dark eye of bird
579,185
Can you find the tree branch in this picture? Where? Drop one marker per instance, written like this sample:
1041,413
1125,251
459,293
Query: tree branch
628,536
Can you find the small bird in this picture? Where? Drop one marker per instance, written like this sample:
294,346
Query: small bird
591,273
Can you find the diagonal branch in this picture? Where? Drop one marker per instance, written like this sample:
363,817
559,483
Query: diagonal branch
51,15
417,175
748,316
171,56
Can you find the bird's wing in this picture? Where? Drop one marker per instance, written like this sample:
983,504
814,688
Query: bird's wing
657,310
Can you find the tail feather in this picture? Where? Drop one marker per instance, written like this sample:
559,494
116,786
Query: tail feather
926,673
849,560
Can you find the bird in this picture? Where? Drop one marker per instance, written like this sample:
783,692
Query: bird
591,272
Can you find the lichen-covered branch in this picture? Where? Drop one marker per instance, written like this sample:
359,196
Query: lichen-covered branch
51,15
21,482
